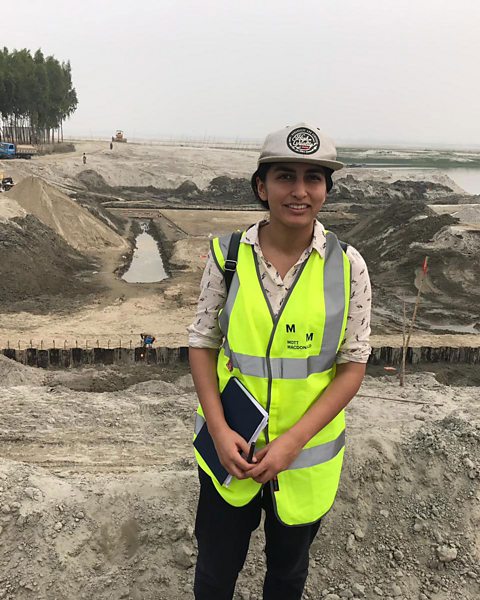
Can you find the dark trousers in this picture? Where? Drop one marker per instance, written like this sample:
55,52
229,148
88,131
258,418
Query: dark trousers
223,535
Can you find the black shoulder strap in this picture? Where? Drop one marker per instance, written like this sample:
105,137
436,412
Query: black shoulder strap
343,245
232,255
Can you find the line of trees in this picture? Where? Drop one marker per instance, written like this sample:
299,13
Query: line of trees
36,96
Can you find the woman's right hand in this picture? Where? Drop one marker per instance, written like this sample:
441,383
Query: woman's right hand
230,446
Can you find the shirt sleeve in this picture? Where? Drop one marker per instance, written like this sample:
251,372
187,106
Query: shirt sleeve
356,343
205,332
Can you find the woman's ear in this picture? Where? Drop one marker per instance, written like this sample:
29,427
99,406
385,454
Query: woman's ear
261,189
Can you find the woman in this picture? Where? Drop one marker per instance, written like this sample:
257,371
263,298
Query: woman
295,331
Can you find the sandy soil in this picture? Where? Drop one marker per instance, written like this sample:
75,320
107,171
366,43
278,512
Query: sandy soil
98,491
137,164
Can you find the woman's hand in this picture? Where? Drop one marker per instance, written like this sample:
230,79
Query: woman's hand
229,446
274,458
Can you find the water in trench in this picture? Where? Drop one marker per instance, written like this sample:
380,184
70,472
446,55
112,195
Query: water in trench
147,263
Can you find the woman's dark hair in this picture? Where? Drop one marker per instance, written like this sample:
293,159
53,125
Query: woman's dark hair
262,171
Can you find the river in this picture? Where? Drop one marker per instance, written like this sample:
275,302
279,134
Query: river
467,179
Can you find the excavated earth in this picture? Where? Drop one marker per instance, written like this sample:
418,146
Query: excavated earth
97,479
98,491
95,209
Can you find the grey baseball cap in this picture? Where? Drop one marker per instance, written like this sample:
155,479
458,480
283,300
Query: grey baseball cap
300,143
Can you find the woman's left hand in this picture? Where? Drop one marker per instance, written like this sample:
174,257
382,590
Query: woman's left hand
274,458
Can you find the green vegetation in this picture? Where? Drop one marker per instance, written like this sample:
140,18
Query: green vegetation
36,96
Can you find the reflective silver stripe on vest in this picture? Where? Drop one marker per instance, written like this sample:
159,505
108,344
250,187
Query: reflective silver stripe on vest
224,318
297,368
318,454
256,366
334,293
308,457
199,421
282,368
224,242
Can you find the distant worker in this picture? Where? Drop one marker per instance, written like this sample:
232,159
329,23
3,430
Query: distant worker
147,340
111,145
84,158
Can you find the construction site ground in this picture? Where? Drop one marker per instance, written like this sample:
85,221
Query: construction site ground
98,483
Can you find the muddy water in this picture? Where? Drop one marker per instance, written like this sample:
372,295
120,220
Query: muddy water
467,179
147,263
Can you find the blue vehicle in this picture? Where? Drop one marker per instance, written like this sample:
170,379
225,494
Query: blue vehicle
9,150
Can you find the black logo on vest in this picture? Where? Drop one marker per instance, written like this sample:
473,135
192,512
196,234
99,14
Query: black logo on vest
296,344
303,141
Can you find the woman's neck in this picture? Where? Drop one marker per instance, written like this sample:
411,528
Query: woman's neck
287,240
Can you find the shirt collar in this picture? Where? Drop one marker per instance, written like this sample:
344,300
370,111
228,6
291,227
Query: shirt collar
318,243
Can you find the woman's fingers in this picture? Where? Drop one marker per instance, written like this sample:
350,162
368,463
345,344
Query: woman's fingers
241,463
261,453
260,470
235,471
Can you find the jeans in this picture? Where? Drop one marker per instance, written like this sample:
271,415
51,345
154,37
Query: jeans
223,534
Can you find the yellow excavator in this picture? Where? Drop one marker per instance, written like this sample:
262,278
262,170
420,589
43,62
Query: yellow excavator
119,137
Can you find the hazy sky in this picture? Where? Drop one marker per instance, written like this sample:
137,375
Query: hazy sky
403,71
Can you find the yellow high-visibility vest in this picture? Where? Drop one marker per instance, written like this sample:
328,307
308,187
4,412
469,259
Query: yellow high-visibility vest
286,362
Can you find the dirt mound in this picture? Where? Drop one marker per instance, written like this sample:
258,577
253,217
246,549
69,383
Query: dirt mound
388,234
9,209
394,242
93,181
35,261
73,223
410,517
350,189
187,188
232,190
13,373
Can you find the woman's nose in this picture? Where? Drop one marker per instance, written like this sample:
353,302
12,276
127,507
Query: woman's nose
299,189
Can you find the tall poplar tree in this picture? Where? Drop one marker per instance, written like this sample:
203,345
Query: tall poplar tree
36,95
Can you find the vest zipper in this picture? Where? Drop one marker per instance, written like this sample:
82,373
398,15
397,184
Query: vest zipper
275,320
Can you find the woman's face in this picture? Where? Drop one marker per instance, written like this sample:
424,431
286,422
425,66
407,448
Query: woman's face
295,192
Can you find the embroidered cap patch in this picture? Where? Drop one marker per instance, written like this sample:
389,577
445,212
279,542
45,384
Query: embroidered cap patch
303,141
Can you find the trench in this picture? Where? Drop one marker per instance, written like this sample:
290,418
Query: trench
147,264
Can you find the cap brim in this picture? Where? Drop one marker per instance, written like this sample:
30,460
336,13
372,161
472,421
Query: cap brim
335,165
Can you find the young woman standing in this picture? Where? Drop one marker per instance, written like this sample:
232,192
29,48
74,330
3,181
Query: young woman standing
294,330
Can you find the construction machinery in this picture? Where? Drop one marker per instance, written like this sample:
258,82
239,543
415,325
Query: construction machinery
6,183
119,137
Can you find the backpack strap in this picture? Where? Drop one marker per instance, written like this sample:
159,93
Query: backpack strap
343,245
232,256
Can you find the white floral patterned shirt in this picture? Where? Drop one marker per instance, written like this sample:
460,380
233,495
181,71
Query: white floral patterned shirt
204,332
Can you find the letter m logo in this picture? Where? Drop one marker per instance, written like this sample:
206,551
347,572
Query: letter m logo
291,328
309,337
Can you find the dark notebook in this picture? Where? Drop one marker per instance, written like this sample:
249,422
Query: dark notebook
243,414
